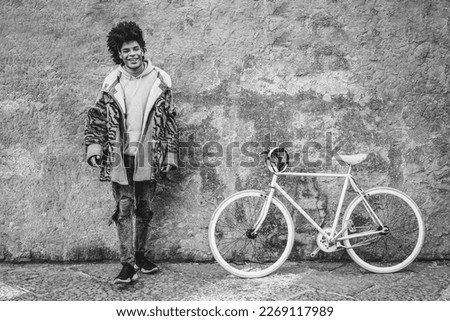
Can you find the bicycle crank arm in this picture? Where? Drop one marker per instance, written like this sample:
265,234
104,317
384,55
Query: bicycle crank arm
314,253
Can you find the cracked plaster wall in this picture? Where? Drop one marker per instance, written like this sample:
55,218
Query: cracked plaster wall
366,76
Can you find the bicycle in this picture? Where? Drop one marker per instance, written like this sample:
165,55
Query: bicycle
251,233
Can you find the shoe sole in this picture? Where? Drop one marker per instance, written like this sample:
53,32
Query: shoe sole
154,270
126,281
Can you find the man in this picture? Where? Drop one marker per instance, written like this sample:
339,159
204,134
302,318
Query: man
132,137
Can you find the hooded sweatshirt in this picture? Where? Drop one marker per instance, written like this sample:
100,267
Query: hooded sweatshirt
136,90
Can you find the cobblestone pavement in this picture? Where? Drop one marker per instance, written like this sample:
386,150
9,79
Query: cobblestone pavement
299,281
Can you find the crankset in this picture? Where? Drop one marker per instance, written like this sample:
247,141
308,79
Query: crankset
324,245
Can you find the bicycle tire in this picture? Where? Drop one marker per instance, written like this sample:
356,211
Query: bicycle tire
394,250
232,246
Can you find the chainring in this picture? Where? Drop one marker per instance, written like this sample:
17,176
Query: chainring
323,244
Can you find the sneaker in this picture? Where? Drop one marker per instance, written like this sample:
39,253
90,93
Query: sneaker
127,275
145,265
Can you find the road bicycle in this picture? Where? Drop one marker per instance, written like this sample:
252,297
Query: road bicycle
251,233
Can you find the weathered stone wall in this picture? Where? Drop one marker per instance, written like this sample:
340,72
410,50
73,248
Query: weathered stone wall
358,76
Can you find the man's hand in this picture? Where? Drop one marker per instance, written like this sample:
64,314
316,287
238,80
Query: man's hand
94,161
166,173
166,168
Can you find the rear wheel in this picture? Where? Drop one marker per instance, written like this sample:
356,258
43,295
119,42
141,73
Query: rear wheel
235,245
402,239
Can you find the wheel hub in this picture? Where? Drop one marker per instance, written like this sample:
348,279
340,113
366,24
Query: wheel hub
384,230
251,234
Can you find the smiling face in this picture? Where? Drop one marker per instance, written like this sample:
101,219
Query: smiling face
133,56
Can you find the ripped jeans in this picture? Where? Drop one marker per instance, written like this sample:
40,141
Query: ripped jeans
135,198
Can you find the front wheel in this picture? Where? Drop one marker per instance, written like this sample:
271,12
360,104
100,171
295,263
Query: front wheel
395,245
236,246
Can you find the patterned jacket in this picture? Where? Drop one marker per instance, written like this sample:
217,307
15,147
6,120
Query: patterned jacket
105,129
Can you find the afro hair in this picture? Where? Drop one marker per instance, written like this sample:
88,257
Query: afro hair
121,33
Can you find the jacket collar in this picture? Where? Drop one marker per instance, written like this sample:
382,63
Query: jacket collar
111,86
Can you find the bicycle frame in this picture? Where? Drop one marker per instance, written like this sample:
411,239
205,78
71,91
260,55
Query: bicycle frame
333,236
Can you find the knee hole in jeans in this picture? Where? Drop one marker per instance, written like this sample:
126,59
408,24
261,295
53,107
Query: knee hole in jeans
125,207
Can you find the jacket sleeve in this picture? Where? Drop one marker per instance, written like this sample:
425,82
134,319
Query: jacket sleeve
95,132
171,131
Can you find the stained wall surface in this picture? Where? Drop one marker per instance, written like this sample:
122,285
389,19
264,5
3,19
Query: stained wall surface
317,75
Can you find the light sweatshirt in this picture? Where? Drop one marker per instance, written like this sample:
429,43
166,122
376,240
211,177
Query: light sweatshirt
136,91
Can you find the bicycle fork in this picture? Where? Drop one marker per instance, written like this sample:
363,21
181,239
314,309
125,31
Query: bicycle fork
265,209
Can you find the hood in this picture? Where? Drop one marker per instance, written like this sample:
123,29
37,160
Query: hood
148,69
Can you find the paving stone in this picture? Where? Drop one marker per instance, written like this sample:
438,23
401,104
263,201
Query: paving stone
294,281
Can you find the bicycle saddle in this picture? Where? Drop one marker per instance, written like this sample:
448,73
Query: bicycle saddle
350,159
